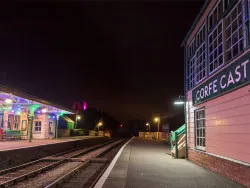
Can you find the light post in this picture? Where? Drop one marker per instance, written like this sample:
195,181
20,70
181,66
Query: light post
148,124
158,119
182,101
99,124
77,118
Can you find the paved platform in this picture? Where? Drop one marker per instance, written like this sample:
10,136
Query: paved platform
147,164
17,144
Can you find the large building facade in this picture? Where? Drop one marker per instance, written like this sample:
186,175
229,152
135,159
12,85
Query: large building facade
217,88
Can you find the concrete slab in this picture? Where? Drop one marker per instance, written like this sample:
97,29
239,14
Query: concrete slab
147,164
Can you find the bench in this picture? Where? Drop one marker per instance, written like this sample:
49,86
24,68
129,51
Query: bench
13,134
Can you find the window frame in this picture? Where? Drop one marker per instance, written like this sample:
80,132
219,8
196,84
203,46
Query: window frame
39,127
208,45
231,48
200,147
16,122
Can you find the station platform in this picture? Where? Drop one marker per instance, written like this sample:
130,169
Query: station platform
147,164
18,144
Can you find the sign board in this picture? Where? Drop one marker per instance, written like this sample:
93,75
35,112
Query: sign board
165,128
229,79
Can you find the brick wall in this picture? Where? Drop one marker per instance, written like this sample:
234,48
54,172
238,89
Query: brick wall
235,171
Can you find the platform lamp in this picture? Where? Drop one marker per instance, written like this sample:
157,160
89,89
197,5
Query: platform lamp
158,119
182,101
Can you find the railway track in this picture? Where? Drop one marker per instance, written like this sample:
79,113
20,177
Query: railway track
50,171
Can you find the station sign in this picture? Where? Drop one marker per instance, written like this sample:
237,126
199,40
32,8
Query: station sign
229,79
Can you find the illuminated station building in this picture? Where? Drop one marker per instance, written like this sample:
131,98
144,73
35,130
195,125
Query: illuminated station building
20,112
217,89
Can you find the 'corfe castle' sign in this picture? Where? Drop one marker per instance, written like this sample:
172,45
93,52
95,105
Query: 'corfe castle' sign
234,76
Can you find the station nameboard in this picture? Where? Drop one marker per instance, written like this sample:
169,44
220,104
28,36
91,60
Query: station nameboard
231,78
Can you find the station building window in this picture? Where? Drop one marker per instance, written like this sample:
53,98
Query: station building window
16,122
38,126
191,73
234,33
215,15
200,138
10,121
215,48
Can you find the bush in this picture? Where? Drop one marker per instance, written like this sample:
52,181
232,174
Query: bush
79,132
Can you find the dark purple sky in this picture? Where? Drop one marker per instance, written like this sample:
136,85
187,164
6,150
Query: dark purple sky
123,57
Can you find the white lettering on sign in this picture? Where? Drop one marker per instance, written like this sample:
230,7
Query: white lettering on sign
221,79
238,74
226,80
245,68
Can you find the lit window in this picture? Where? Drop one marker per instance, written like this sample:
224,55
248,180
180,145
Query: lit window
233,33
38,126
200,140
215,48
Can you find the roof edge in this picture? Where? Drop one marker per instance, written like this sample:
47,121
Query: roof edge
196,21
19,93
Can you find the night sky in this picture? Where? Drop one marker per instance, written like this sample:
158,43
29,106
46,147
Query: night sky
122,57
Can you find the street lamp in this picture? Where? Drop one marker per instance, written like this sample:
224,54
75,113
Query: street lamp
182,101
148,124
99,124
77,118
158,119
8,101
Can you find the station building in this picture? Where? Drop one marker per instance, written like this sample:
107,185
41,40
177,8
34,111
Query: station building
20,112
217,89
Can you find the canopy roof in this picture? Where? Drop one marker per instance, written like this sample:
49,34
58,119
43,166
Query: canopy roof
14,100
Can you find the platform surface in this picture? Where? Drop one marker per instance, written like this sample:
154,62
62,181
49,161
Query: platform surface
147,164
17,144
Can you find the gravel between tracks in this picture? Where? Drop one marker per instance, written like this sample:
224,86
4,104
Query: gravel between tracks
48,177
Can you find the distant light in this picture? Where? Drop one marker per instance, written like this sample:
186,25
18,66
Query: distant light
147,124
179,102
100,124
156,119
12,110
8,101
78,117
49,116
44,110
39,111
121,125
54,117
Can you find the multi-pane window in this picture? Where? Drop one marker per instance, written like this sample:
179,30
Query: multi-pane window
191,49
200,37
50,127
191,73
215,16
16,122
201,63
227,3
1,120
38,126
10,121
234,33
200,138
215,48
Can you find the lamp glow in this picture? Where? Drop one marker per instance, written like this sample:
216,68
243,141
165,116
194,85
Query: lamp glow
179,102
100,124
44,110
156,119
8,101
147,124
78,117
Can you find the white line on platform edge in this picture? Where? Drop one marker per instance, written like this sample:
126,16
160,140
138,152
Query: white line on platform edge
105,175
